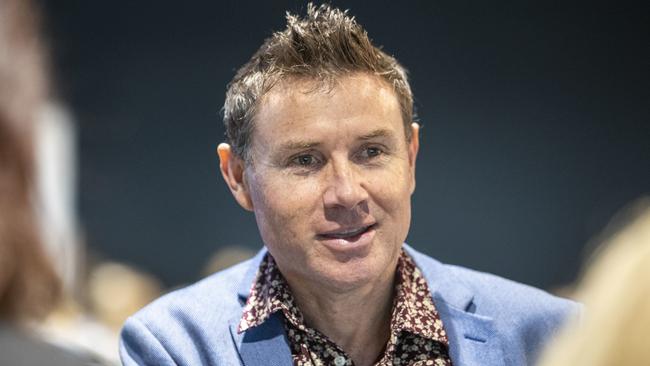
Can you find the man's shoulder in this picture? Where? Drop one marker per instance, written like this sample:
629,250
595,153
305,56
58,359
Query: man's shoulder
521,317
513,305
489,291
493,292
207,297
191,325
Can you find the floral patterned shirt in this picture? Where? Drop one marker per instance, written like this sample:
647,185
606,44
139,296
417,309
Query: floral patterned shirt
417,336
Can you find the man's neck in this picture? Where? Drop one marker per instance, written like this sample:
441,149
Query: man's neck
357,320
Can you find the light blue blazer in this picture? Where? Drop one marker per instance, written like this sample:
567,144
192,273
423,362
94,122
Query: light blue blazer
489,320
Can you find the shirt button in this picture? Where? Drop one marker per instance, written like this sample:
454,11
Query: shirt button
339,361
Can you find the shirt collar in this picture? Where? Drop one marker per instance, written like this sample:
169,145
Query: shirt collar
413,307
269,293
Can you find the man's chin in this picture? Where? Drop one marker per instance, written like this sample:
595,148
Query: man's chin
349,276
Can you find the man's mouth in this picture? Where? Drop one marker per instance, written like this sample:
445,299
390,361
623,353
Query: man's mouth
348,233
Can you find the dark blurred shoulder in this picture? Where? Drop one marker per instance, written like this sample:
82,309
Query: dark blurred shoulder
18,348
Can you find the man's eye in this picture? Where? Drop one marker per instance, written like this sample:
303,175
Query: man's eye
304,160
373,151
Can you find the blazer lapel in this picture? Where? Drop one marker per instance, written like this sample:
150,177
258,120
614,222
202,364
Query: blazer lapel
473,339
266,343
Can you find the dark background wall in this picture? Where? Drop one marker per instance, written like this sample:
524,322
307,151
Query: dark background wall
535,114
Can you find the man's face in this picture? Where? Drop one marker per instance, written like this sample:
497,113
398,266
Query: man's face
330,180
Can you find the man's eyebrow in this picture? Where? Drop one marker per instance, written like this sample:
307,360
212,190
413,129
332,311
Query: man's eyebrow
306,144
299,145
376,133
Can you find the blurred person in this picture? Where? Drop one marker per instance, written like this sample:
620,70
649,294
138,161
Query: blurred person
322,147
29,283
55,193
226,257
114,291
615,290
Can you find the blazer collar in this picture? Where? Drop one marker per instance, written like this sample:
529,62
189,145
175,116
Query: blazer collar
244,288
265,344
441,281
473,339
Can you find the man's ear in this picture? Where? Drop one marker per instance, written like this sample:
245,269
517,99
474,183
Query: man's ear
414,146
232,170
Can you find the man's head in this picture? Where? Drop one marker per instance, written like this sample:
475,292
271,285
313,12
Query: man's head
324,45
327,160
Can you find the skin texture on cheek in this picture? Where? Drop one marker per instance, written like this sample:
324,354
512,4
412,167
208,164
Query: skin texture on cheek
276,206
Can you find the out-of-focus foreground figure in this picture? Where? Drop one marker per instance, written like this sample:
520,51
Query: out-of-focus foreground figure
30,284
616,293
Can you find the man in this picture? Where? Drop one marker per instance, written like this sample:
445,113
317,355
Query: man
322,149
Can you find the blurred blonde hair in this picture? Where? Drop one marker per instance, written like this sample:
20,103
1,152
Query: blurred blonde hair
615,290
28,283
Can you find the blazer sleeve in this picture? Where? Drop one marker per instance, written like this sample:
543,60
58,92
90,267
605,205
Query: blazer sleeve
140,347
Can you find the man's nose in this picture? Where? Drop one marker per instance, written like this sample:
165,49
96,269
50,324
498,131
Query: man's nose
344,187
